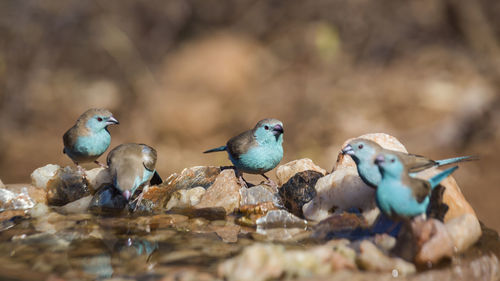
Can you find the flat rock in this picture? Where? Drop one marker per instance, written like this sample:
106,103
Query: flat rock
288,170
185,198
256,195
299,190
223,193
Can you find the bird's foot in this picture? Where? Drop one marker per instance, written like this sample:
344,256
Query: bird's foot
138,200
243,182
101,165
270,182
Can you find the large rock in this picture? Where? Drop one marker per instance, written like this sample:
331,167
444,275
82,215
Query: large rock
299,190
256,195
223,193
185,198
41,176
288,170
464,231
67,185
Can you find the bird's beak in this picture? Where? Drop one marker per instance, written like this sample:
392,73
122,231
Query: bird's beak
379,159
127,194
112,121
277,130
348,150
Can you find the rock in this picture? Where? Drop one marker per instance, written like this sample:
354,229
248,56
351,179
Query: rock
453,197
39,210
66,186
223,193
251,213
10,200
98,177
256,195
185,198
371,258
288,170
464,231
192,177
41,176
433,240
79,206
228,233
299,190
10,218
279,219
37,195
345,225
260,262
340,191
108,200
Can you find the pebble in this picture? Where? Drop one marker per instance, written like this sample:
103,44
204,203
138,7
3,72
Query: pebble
225,192
288,170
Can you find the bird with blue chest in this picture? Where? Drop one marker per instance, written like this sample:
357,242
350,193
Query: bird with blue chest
400,196
89,138
363,152
256,151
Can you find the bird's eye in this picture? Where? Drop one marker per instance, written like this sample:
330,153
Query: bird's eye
360,146
99,119
266,127
392,160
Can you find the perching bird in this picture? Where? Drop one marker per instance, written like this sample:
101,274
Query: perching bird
400,196
256,151
364,151
89,137
131,166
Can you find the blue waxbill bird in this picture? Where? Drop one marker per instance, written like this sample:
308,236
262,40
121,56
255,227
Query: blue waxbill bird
256,151
364,151
89,137
400,196
131,166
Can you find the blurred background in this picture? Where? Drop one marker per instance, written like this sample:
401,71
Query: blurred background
186,75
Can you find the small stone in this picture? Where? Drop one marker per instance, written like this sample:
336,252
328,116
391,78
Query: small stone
66,186
107,201
288,170
185,198
433,240
41,176
279,219
464,231
228,233
345,225
98,177
10,200
256,195
299,190
371,258
76,207
340,191
223,193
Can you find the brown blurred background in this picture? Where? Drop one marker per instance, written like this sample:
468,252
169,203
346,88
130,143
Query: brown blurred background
185,75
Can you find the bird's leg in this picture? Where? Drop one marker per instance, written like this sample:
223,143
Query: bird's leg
270,181
242,181
100,164
139,198
81,170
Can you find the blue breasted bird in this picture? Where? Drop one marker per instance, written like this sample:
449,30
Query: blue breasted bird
131,166
364,151
256,151
89,137
400,196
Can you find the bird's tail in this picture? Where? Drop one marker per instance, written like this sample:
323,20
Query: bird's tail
435,180
221,148
456,160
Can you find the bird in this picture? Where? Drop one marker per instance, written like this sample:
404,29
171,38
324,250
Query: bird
400,196
364,151
89,138
255,151
131,165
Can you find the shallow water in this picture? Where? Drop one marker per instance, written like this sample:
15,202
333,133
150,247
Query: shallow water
84,246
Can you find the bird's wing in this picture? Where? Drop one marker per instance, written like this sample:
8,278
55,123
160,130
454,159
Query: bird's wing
241,143
420,188
149,157
416,163
69,138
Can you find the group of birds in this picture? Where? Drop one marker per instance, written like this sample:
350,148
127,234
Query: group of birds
399,193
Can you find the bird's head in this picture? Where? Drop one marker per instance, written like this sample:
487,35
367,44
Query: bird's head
361,150
389,165
97,119
269,131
